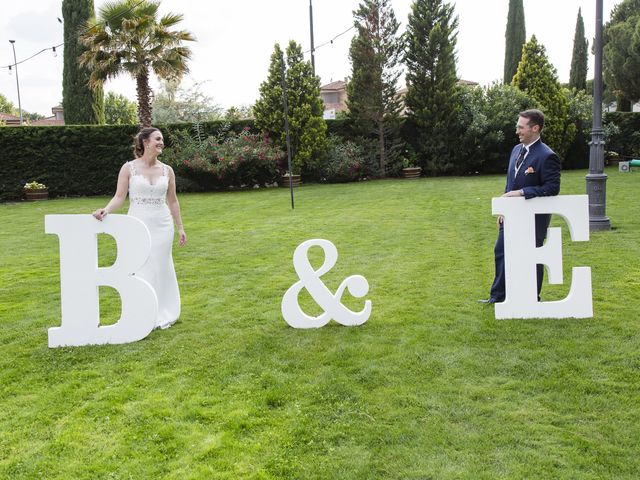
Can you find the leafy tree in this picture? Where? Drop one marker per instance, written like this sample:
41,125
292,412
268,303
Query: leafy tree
129,38
539,79
433,95
515,37
173,104
307,128
579,59
119,110
82,105
621,53
375,55
242,112
488,117
7,106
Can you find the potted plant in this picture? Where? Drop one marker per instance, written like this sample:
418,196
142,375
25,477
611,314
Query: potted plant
409,169
611,158
285,179
35,191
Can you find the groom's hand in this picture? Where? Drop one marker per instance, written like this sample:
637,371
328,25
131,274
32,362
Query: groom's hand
514,193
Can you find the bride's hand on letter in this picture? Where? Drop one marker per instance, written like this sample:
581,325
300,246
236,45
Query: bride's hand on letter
100,213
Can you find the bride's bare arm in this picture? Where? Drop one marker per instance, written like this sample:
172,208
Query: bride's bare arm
121,194
174,207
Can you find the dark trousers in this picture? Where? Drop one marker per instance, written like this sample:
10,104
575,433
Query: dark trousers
498,290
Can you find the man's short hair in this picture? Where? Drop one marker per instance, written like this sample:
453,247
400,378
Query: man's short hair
534,116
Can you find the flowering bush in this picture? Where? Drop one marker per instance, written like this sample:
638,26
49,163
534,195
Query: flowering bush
34,186
240,159
345,161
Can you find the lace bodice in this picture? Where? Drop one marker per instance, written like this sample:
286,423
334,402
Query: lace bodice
144,194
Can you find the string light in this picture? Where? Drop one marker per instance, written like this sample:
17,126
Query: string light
330,42
61,44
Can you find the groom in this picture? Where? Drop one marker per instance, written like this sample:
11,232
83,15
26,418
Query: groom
534,171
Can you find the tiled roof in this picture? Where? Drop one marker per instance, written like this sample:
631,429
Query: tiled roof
337,85
7,116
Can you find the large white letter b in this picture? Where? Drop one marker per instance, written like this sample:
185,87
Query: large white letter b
80,278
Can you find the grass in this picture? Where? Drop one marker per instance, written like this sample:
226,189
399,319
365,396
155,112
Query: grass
431,387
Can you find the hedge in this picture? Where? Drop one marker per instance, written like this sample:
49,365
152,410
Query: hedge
85,160
76,160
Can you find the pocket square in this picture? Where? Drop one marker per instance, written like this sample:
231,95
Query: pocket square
529,170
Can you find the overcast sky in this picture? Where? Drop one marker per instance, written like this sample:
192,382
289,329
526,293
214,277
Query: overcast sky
236,39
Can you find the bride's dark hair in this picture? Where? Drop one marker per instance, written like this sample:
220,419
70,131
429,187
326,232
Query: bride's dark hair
138,140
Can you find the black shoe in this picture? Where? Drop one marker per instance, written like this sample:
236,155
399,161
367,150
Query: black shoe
490,300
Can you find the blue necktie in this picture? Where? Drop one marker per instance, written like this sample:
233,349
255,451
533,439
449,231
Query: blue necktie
520,159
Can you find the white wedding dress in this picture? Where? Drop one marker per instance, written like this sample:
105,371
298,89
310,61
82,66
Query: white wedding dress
148,203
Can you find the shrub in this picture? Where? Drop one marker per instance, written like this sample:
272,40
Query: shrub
345,161
239,159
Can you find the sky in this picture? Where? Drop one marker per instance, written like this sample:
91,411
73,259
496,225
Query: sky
235,40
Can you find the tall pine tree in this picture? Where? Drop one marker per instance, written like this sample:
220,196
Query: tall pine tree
579,59
432,92
539,79
81,104
515,37
372,98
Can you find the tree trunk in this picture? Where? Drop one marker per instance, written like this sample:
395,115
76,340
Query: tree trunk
143,92
383,172
623,105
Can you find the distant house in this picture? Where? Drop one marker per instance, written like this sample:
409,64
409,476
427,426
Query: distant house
56,119
334,96
8,119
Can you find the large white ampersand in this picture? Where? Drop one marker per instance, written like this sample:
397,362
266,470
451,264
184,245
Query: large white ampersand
330,303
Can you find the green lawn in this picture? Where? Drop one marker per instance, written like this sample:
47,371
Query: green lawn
431,387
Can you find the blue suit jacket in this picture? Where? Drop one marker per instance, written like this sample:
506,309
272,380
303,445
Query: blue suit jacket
543,179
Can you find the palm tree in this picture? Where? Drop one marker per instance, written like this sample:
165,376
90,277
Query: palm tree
127,38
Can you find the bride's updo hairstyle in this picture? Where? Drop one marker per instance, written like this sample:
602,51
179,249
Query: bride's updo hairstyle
138,140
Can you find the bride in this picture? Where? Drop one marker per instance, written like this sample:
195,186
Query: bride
152,198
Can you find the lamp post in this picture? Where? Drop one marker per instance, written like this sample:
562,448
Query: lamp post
15,64
313,58
596,178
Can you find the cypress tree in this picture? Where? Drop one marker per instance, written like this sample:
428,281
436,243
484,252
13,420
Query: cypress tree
515,37
307,128
579,59
268,109
372,98
538,78
433,96
81,104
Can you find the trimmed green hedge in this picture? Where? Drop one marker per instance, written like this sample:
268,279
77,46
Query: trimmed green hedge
76,160
85,160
